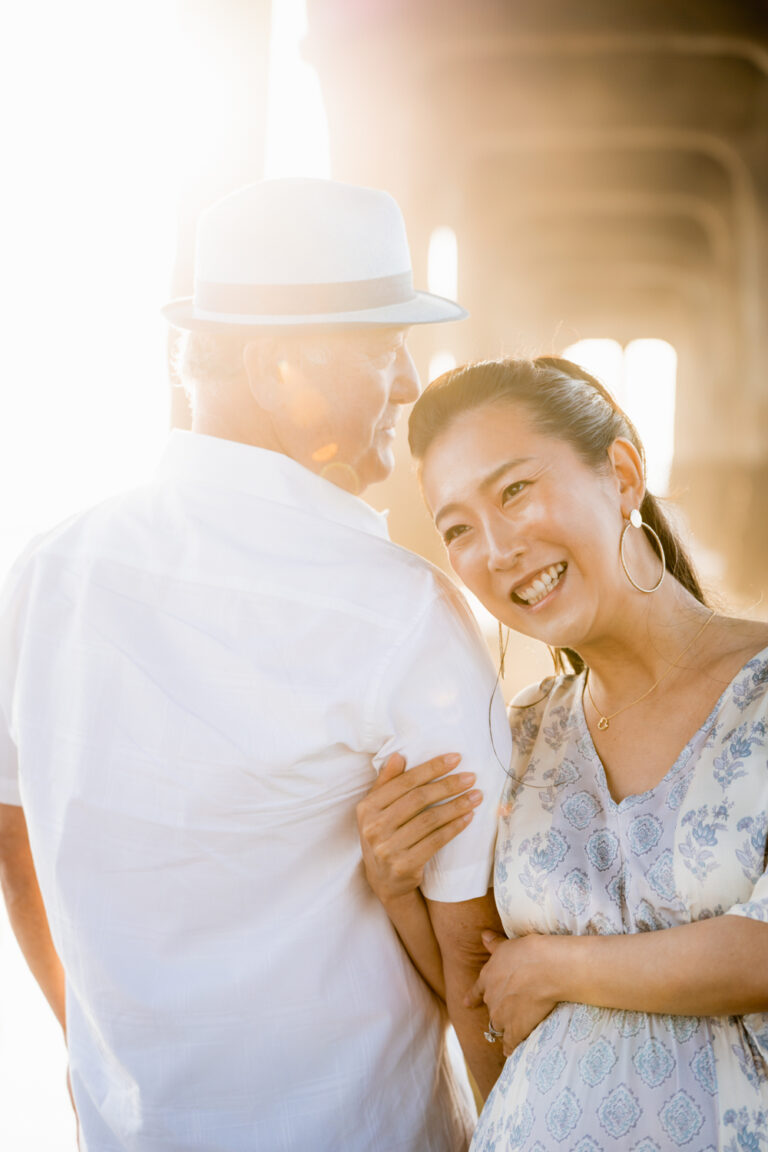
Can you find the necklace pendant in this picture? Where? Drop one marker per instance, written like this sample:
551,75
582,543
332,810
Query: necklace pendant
603,723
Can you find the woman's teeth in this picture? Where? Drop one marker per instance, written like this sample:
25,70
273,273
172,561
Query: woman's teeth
541,586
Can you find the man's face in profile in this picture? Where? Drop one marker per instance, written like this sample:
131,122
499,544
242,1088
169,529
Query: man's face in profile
342,395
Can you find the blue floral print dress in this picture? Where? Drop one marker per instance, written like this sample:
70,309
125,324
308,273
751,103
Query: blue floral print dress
569,859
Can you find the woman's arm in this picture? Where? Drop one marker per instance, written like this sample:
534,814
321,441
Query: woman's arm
714,967
400,832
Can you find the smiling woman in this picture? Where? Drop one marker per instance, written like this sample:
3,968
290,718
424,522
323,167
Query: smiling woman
629,841
531,432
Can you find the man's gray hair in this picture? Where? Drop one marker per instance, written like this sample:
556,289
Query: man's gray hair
208,363
211,363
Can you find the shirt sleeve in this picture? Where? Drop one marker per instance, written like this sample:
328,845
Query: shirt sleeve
9,778
439,694
12,600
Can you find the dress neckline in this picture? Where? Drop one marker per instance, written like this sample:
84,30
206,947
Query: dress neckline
683,756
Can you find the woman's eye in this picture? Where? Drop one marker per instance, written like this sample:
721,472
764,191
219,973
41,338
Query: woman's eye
513,490
454,531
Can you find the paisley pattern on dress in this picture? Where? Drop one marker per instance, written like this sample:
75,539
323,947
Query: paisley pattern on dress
569,859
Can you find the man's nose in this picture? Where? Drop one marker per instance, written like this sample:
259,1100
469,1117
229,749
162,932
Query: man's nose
406,386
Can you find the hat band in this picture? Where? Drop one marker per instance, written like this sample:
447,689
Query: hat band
303,299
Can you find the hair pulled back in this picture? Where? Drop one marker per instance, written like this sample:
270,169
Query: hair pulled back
565,402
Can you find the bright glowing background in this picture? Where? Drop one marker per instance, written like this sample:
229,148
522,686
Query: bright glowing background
89,198
297,128
443,280
88,258
114,101
440,362
642,377
443,263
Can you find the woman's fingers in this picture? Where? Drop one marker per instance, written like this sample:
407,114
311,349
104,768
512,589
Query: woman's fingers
409,848
400,811
395,766
411,861
395,836
386,791
398,796
474,998
384,811
408,816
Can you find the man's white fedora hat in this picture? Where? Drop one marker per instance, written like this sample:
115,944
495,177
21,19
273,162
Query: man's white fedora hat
301,252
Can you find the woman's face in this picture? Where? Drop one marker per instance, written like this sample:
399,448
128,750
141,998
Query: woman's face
530,528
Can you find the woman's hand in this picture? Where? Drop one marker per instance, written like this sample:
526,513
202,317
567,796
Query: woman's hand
400,831
517,985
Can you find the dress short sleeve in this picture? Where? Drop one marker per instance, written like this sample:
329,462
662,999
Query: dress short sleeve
439,695
525,715
743,758
756,907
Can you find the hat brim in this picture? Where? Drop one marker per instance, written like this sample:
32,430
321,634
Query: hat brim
423,308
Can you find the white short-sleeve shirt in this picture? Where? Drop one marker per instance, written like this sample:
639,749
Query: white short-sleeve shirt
197,679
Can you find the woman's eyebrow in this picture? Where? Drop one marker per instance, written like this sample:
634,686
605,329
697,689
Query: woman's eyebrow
487,482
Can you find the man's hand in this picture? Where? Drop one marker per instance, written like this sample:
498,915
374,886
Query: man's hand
399,829
516,984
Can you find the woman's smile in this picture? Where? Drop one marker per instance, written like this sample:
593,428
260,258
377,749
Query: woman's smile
534,590
529,527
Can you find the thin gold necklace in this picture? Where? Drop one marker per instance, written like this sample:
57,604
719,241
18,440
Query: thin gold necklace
604,721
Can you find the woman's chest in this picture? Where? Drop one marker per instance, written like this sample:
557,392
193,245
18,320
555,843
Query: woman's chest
570,859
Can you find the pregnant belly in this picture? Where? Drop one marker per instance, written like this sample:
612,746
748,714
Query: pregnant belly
590,1079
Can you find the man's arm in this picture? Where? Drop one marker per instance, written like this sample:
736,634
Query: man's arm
25,908
458,929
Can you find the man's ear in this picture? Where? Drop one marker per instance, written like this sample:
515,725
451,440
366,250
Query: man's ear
629,474
263,364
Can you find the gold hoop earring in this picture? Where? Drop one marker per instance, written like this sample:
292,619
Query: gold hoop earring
636,521
502,649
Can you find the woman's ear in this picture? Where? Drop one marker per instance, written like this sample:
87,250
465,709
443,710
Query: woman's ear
629,474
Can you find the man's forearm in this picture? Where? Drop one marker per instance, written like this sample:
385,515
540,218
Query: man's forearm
458,930
25,909
485,1060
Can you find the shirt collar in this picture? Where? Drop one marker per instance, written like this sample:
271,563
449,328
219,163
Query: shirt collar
195,458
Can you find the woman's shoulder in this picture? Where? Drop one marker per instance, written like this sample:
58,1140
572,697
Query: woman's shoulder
739,661
529,708
547,691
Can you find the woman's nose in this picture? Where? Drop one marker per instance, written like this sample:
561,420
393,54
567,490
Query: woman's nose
504,548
